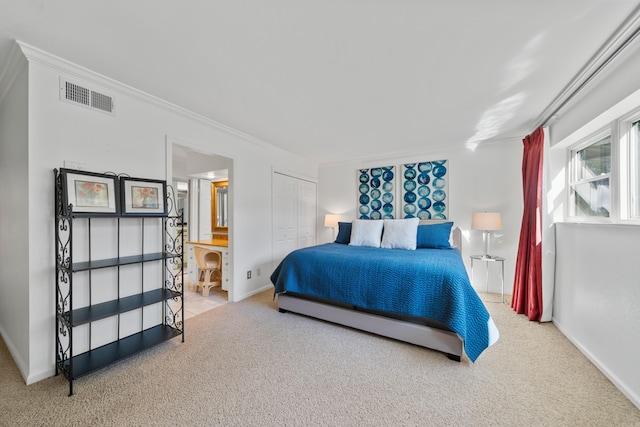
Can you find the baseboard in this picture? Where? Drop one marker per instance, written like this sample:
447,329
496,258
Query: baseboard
621,385
22,367
253,292
34,378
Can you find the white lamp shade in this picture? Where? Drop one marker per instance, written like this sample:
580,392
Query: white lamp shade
488,221
331,220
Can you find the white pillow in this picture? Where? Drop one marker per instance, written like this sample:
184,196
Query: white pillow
400,233
366,232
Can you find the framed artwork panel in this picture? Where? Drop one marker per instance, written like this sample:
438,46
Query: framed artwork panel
143,197
89,192
376,193
425,190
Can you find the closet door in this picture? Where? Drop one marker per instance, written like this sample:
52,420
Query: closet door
294,215
285,216
306,213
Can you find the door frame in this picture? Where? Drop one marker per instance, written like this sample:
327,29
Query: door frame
197,148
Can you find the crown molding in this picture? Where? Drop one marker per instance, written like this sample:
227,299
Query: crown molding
46,59
396,156
15,64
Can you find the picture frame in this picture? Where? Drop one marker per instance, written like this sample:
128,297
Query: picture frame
89,193
377,193
425,190
143,197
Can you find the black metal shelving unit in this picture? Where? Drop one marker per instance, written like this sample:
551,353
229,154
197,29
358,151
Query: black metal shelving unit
69,316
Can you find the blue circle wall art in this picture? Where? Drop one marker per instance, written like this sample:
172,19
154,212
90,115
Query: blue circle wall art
425,190
376,193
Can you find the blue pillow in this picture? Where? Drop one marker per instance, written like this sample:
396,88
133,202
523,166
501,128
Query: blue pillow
344,233
434,235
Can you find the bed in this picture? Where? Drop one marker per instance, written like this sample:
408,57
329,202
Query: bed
422,296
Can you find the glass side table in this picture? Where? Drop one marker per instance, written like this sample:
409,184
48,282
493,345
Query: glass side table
487,259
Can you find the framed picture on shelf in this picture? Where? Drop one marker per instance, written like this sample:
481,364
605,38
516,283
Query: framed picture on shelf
143,197
89,192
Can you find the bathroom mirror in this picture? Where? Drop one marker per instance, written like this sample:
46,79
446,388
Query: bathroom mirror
219,204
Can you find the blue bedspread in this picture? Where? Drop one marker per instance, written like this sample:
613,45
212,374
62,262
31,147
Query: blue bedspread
431,283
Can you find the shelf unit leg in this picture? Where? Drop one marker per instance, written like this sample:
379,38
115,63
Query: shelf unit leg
486,276
502,278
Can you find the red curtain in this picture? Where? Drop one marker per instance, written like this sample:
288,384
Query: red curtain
527,286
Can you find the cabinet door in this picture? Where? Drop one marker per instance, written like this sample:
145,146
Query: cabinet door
192,268
226,271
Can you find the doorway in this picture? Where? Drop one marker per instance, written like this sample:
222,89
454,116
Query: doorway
194,174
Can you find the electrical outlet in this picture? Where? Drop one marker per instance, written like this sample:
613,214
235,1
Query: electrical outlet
248,274
73,165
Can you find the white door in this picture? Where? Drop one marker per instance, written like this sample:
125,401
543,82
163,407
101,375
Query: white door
193,221
204,209
284,216
306,213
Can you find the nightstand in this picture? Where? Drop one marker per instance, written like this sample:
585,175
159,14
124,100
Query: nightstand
487,259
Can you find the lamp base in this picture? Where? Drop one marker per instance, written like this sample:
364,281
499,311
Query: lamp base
485,241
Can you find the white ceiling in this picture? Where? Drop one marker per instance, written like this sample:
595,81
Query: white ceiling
334,80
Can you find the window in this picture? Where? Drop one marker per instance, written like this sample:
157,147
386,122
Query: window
630,167
591,181
634,171
603,178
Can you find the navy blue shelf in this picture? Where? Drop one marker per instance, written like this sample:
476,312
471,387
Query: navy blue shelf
100,357
110,308
166,256
114,262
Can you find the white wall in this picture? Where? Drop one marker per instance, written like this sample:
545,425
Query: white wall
132,142
487,179
198,163
597,297
596,281
14,230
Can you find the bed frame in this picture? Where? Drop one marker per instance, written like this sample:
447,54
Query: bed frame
429,336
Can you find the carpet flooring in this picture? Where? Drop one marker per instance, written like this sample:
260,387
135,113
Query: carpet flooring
246,364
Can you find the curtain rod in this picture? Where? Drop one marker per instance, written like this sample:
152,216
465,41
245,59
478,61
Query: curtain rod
584,77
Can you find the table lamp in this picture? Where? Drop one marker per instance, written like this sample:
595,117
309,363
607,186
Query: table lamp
331,220
487,222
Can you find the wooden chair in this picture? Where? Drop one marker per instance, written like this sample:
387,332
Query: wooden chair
209,264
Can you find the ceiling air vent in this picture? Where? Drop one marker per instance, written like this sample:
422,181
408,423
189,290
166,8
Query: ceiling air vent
82,95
